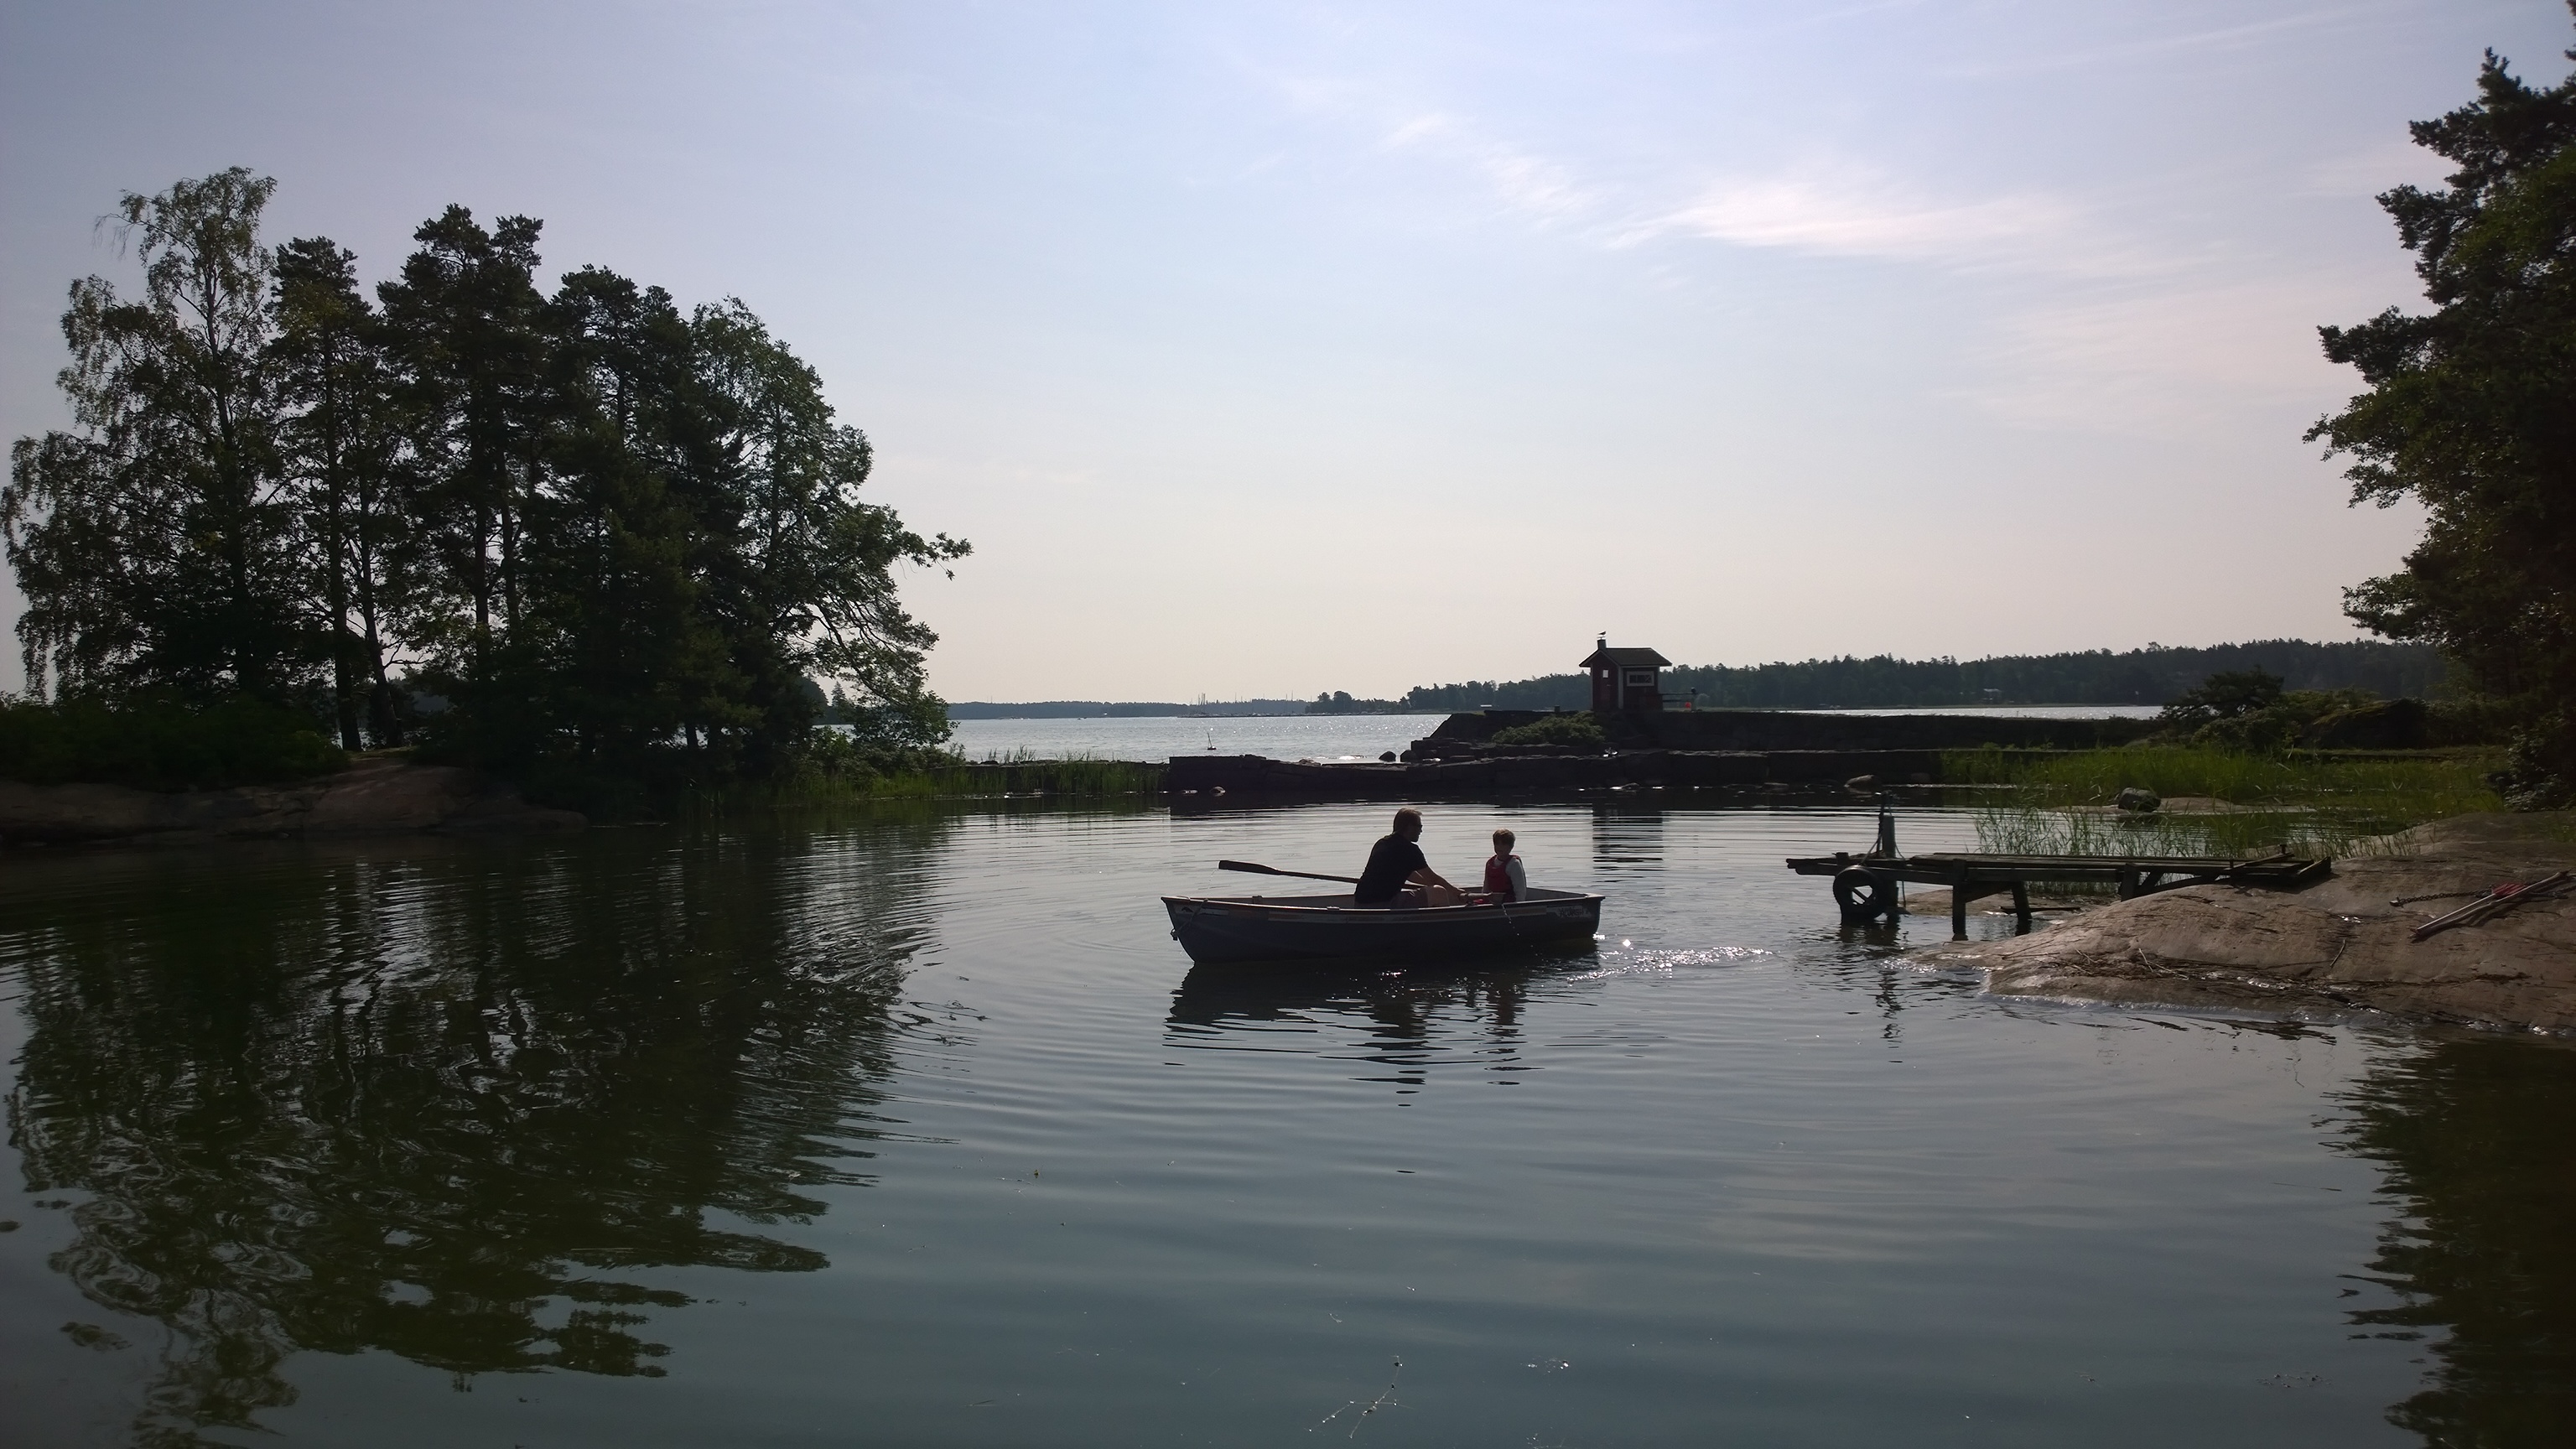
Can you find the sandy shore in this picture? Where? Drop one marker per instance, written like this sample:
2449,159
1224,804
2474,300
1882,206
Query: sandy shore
2339,945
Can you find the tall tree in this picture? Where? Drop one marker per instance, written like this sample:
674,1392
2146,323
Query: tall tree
339,447
463,325
2471,411
155,544
803,574
631,656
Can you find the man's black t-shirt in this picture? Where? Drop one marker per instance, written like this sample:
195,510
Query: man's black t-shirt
1391,860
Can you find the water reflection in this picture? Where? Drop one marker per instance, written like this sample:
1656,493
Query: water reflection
2474,1135
1628,832
1401,1024
454,1107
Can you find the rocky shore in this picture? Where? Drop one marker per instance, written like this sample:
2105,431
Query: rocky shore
2340,945
372,797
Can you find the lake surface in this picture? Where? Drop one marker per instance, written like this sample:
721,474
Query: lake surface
1317,737
1281,737
912,1126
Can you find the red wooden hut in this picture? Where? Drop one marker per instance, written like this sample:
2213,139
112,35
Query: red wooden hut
1626,681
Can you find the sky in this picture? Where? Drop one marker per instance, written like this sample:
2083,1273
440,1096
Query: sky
1265,349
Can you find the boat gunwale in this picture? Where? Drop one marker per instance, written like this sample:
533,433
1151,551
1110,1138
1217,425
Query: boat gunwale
1434,913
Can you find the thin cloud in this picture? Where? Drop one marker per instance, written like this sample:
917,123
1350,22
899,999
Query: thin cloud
2223,38
1835,209
1523,180
1863,216
2375,169
1827,209
2169,360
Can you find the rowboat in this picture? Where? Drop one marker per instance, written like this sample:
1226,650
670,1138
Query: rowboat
1231,930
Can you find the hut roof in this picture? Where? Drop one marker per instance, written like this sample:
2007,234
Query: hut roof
1606,657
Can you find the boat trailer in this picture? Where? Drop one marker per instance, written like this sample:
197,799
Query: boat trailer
1866,885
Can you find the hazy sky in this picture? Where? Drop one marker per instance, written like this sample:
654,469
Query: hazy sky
1265,349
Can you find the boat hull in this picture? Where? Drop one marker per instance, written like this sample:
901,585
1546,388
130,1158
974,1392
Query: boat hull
1232,930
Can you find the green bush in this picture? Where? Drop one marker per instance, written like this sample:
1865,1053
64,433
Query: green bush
2280,722
1556,729
158,745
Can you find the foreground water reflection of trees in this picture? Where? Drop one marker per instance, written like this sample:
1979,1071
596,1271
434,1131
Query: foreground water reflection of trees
455,1107
2475,1139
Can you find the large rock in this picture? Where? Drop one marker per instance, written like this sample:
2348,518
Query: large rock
373,797
2341,944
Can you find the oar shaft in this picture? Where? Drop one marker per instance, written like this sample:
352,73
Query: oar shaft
1255,869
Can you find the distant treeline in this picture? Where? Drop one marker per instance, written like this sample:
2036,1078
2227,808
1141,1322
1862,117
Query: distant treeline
2152,675
1096,709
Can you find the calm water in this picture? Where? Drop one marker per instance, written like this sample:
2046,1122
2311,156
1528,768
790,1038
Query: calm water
1318,737
1288,737
915,1128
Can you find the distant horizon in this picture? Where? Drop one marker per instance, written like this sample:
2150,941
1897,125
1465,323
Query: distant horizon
1066,707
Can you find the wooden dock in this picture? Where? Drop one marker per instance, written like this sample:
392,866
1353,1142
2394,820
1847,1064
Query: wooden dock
1865,885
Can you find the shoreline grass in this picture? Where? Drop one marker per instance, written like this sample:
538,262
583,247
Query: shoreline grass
2314,804
1019,773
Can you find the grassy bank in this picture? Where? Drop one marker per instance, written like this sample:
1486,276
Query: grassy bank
2312,803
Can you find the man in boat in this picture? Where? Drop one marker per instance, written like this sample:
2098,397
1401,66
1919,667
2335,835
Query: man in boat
1398,876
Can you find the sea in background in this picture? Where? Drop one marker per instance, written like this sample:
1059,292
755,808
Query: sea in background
909,1124
1324,737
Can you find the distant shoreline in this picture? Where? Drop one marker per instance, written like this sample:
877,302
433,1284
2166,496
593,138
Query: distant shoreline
1115,709
1090,709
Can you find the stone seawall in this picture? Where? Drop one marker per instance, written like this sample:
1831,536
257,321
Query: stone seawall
1770,729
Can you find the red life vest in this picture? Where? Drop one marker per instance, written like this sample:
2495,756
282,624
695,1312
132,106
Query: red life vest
1497,878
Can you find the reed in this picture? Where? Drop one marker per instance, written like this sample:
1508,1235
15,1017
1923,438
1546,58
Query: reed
2315,804
2035,830
1023,772
1020,772
2427,786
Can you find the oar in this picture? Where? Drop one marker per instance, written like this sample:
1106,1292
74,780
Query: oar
1245,865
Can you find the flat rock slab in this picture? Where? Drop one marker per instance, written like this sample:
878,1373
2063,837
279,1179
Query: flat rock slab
372,797
2340,944
1923,900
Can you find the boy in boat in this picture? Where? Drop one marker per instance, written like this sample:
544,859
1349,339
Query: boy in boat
1398,876
1504,878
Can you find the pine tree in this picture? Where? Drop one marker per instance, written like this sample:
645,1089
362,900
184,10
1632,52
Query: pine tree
2471,411
338,446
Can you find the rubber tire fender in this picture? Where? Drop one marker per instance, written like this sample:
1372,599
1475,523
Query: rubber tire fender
1864,895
